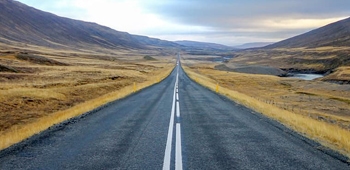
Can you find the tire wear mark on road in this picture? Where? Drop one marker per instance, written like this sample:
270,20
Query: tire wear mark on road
133,126
207,130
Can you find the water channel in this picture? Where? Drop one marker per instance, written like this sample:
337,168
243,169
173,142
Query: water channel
307,76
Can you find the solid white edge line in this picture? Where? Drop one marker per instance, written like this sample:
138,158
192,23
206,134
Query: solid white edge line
178,151
177,109
167,155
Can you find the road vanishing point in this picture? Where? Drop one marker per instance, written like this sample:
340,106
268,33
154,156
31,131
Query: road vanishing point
175,124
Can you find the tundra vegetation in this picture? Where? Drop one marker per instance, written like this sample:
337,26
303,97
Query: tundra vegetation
38,90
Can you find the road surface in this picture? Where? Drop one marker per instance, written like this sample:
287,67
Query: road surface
176,124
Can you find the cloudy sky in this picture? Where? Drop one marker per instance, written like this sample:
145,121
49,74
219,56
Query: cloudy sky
229,22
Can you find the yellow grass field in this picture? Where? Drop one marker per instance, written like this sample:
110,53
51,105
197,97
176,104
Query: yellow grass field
42,90
340,74
316,109
321,59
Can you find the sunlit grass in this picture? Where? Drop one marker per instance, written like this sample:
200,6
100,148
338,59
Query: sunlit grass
42,96
18,133
341,73
321,59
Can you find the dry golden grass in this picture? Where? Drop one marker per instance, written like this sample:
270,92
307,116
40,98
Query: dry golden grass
39,96
341,73
320,59
315,109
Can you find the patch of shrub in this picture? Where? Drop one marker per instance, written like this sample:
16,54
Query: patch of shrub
147,57
4,68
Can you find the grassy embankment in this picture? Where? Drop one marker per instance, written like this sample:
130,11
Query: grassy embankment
341,74
315,109
37,92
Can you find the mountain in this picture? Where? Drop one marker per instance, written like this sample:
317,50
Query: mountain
20,23
155,42
253,45
303,53
335,34
204,45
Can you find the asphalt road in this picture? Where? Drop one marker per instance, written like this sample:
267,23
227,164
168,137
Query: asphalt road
175,124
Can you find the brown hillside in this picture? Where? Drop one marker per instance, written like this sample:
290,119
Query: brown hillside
335,34
24,24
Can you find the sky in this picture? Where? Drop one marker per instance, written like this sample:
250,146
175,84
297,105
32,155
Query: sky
228,22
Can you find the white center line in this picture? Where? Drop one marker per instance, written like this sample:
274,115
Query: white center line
177,109
178,154
168,147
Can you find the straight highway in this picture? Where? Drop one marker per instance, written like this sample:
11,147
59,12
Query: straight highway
175,124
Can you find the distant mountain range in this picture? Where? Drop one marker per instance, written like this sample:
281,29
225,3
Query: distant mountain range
253,45
24,24
204,45
21,25
321,50
335,34
215,46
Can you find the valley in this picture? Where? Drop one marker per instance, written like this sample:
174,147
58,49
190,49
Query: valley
70,87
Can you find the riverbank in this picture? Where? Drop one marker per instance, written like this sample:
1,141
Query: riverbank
266,70
340,75
251,69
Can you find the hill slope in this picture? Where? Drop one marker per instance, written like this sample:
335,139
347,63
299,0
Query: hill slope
253,45
24,24
335,34
204,45
325,50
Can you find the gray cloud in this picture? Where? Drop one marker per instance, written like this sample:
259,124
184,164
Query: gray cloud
229,22
217,12
231,15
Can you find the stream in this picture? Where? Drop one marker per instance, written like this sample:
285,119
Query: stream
307,76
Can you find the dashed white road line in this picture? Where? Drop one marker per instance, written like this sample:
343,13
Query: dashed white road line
168,147
178,151
177,109
167,155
